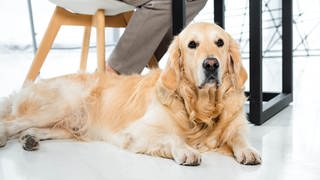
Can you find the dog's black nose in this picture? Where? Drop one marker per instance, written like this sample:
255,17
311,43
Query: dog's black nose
210,64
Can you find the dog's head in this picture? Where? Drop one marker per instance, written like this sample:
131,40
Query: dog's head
203,53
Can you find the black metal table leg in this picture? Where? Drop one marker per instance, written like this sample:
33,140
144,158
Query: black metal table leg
287,66
178,16
285,97
274,102
219,12
255,35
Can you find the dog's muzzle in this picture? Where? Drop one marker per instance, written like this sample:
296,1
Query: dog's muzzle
211,68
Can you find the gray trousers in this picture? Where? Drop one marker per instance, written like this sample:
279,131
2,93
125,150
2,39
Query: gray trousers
148,32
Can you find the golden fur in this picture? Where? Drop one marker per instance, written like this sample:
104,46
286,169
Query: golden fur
165,113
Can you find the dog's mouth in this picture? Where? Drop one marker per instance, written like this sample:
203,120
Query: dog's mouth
210,69
211,80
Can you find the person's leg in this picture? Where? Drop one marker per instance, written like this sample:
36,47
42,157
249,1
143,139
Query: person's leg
145,31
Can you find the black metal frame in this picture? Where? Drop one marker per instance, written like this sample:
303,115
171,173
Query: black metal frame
263,105
274,102
178,16
33,33
218,10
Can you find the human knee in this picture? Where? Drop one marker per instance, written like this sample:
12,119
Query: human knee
162,5
195,6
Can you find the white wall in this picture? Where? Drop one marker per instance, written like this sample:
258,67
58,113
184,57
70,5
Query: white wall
15,28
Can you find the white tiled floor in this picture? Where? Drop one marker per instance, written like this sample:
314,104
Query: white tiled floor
289,142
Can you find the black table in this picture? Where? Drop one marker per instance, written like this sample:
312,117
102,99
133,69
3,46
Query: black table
262,105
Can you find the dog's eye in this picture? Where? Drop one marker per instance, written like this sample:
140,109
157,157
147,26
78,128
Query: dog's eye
193,45
219,43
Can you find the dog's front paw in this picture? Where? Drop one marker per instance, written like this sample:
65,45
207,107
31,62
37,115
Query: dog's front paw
247,156
187,157
29,142
3,136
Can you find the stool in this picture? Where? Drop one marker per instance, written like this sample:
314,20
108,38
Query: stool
87,13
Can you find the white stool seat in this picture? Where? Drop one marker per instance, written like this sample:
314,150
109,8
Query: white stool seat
111,7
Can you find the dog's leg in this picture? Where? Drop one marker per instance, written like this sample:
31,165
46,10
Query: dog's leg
163,145
243,152
177,150
30,138
183,154
16,126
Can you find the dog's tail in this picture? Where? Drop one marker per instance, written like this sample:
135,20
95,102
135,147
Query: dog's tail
5,111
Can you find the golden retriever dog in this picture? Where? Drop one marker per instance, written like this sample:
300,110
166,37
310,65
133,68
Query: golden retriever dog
194,105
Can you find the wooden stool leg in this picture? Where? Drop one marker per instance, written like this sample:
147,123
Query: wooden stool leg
44,47
99,21
85,48
127,16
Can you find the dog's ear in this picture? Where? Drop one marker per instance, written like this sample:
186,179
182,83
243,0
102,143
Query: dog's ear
235,66
170,76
